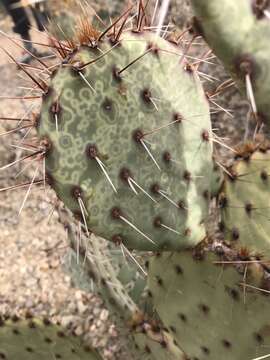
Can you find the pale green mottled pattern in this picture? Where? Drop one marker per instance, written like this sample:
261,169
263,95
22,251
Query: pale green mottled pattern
238,34
108,117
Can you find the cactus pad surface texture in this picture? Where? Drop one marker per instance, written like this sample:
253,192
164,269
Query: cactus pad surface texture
238,32
128,142
34,339
244,203
206,306
123,292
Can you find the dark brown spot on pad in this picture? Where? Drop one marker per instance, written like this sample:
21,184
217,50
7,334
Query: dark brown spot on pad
182,317
155,188
258,337
204,308
226,344
166,157
76,192
91,151
245,65
137,135
117,239
177,117
178,269
116,213
124,174
205,135
107,105
115,71
146,96
264,175
205,350
235,234
157,222
248,208
187,176
258,7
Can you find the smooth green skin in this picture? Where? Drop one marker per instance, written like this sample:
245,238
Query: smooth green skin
249,188
234,32
200,312
84,120
21,340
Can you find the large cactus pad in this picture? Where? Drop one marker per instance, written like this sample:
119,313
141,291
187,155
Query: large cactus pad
122,290
129,142
208,308
40,340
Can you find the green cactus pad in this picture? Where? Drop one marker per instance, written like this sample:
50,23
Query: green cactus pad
238,32
162,347
154,106
244,203
123,295
205,308
40,340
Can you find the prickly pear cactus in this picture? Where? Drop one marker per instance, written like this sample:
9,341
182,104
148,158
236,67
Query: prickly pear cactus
34,339
209,304
128,142
123,295
237,31
244,202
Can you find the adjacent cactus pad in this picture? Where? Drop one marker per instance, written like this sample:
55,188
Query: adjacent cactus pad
40,340
244,203
122,290
210,308
238,32
160,347
128,139
126,271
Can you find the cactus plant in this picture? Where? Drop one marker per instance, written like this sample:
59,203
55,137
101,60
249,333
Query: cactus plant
128,154
204,296
125,135
34,339
128,306
244,201
237,32
126,270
